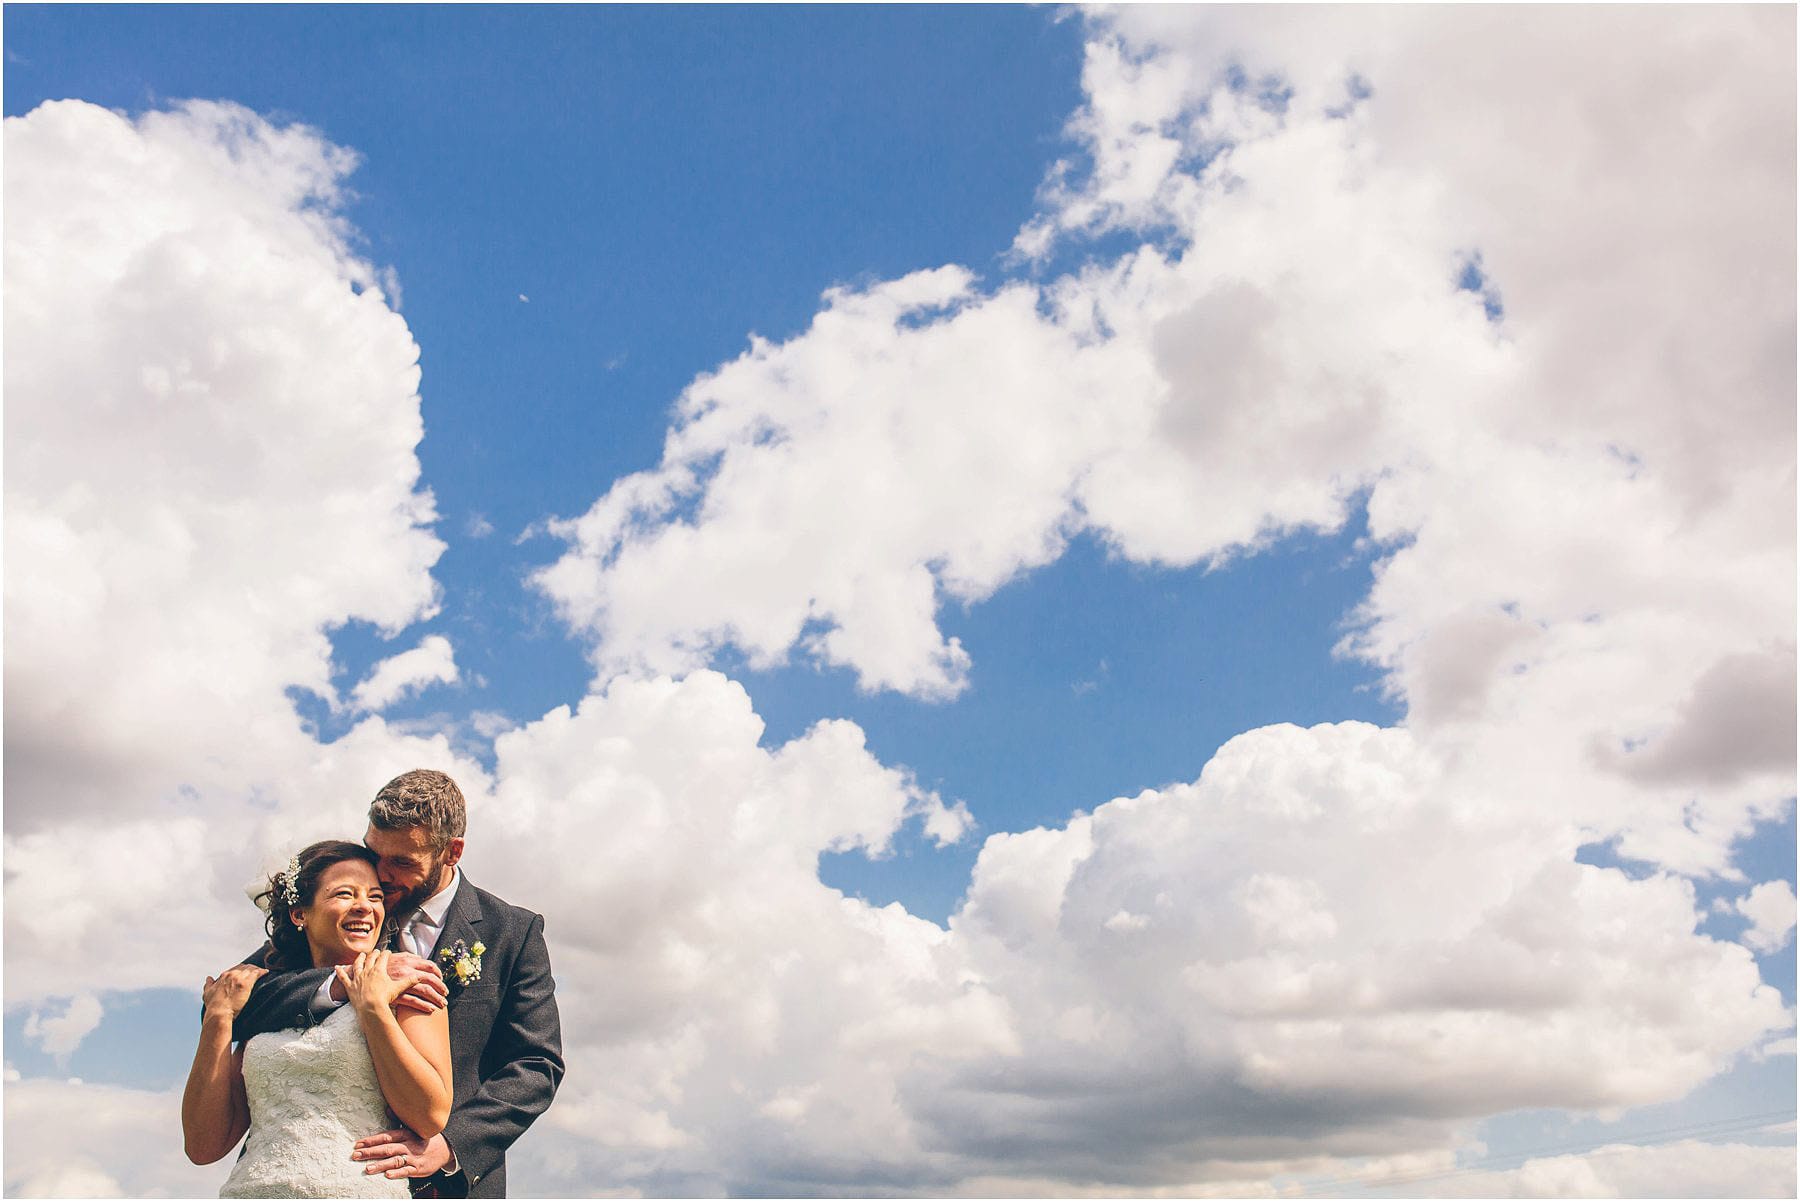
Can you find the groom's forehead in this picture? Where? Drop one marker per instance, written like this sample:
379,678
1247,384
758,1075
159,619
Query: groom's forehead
402,842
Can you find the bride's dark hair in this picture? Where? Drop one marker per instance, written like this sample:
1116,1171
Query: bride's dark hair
287,947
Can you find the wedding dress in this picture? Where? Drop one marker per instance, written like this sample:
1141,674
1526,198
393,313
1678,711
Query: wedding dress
312,1094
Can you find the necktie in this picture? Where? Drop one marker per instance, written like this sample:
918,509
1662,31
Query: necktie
422,933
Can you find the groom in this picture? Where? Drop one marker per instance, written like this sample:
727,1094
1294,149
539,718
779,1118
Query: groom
505,1036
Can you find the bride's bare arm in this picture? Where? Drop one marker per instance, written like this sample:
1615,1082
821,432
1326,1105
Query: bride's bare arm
214,1111
411,1050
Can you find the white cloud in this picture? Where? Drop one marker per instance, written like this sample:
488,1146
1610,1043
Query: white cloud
881,487
752,1009
1125,921
187,864
1587,561
1685,1169
432,662
1620,576
488,723
738,1023
1349,940
945,824
1339,943
72,1140
1332,916
212,411
1770,909
60,1034
1332,937
478,526
211,416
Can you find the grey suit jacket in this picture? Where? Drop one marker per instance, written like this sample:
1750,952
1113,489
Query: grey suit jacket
505,1033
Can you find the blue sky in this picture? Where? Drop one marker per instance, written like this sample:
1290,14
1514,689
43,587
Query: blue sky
655,220
1235,491
636,192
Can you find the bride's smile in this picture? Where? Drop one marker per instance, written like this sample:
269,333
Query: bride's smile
345,916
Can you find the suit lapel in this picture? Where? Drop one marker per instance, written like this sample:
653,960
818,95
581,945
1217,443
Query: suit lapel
463,920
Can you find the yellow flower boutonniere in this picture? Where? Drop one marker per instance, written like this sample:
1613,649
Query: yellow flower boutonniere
463,961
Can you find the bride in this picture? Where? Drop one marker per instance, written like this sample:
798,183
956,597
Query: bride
305,1096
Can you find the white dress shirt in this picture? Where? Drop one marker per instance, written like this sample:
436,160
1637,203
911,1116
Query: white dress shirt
426,926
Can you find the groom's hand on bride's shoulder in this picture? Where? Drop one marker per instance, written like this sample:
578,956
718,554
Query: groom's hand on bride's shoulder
425,990
226,993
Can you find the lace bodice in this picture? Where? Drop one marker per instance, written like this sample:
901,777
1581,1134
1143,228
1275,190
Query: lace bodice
312,1094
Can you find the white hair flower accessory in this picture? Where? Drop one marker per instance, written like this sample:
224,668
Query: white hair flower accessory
271,882
290,881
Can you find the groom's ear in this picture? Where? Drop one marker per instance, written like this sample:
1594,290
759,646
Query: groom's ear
453,851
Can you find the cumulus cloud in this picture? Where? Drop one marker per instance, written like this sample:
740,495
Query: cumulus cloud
1685,1169
753,1009
488,723
1315,932
1586,572
187,864
1739,718
212,411
945,824
211,416
60,1034
1337,944
1332,946
1343,942
433,661
880,485
1595,548
69,1139
1770,909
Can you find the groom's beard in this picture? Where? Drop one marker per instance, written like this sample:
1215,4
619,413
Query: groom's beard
402,907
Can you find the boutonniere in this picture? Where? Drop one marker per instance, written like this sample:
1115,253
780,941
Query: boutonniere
463,961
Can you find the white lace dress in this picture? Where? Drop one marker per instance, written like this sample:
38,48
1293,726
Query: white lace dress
312,1094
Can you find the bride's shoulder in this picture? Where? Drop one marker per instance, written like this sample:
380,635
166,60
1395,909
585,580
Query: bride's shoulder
415,1023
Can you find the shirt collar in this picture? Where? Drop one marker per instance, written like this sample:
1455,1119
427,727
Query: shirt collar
438,904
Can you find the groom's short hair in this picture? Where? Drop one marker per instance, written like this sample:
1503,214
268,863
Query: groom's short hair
423,797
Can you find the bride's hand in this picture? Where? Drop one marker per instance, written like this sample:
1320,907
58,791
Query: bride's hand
367,982
225,994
